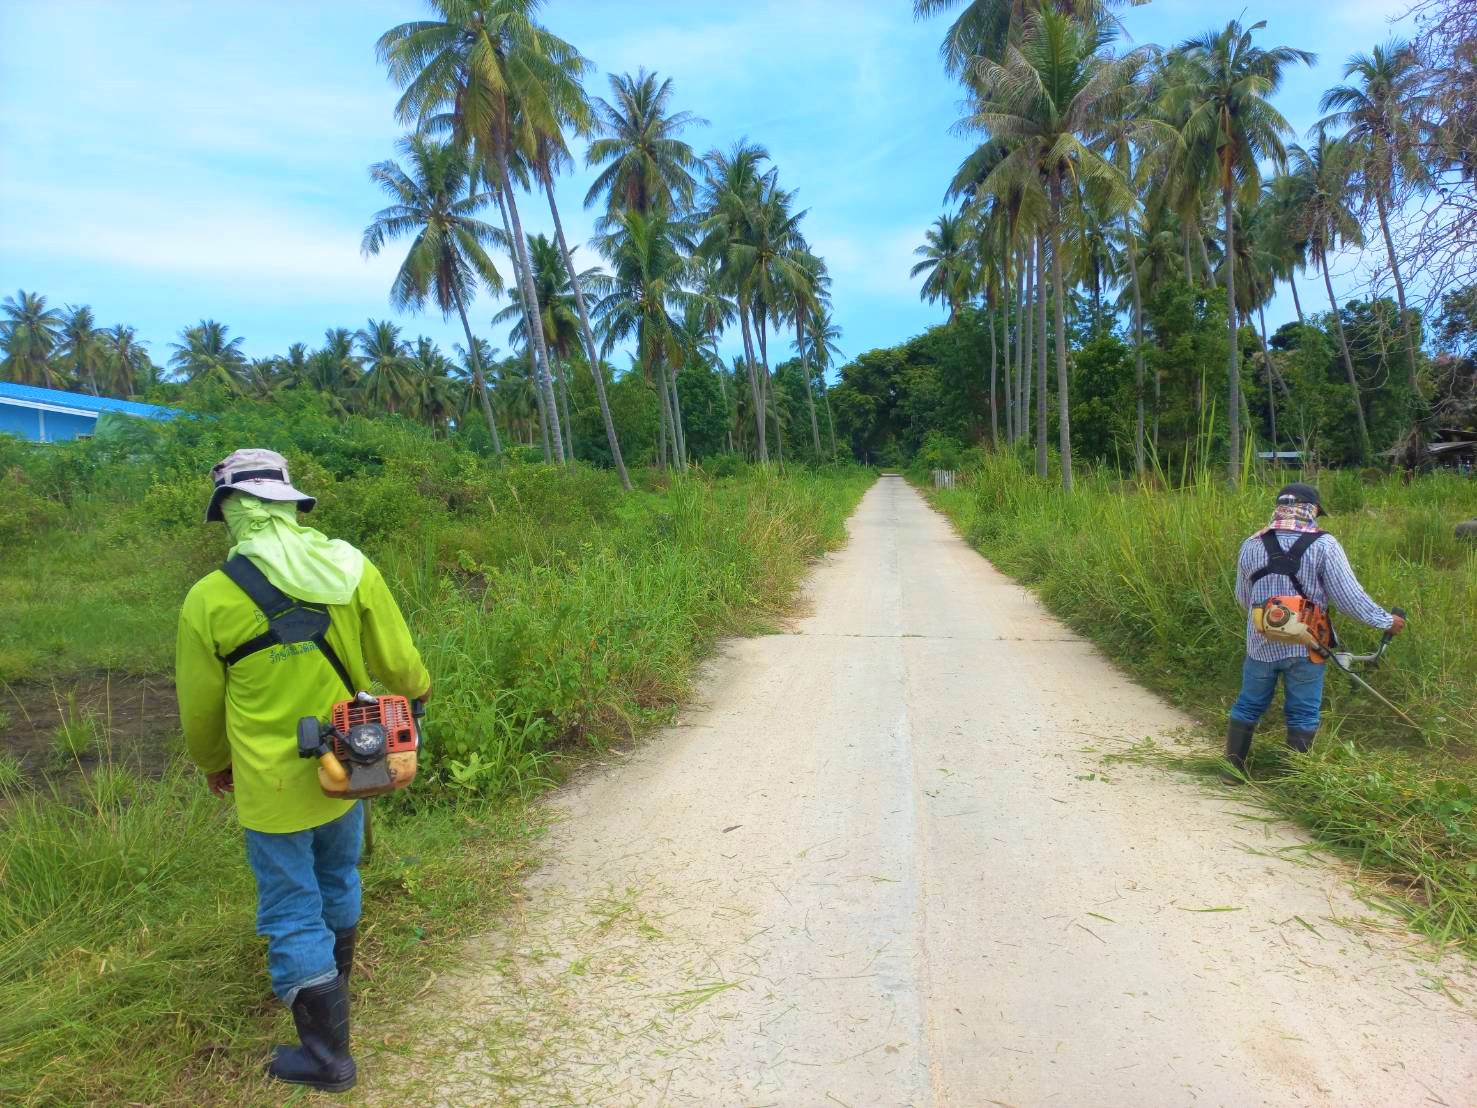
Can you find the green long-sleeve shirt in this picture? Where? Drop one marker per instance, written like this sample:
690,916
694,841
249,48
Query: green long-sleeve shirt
246,716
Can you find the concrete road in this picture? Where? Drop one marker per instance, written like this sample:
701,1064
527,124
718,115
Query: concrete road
884,861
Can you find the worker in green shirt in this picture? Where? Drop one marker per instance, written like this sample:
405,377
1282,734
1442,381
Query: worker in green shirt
241,694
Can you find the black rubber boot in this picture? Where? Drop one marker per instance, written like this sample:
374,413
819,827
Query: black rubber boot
1301,741
343,951
321,1013
1238,746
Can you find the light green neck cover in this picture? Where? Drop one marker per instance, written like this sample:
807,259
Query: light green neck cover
302,562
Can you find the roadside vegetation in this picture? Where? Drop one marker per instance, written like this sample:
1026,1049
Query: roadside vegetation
1148,573
557,612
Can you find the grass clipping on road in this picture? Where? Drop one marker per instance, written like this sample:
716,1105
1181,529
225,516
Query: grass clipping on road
556,613
1149,575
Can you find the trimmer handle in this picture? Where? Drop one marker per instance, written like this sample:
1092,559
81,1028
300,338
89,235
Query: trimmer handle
1389,634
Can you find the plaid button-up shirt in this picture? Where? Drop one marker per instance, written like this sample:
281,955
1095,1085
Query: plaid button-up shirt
1325,574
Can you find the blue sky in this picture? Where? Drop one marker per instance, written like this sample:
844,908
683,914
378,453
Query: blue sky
168,162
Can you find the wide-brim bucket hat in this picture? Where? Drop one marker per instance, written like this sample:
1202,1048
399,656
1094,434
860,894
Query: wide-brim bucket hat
259,473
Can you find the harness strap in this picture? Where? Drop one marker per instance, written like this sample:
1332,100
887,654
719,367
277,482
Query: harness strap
1286,563
288,620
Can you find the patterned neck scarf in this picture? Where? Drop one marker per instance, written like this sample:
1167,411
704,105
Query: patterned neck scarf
1290,516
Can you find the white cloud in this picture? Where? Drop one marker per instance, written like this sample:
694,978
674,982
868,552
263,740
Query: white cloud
229,240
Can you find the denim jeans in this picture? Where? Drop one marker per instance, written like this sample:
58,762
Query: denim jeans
307,887
1302,687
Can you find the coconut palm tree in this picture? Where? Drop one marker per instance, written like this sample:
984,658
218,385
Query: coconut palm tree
985,27
1046,102
386,383
806,298
81,348
1230,128
125,360
551,156
1322,175
645,163
435,202
648,270
821,336
485,71
206,355
1381,110
947,262
29,333
733,186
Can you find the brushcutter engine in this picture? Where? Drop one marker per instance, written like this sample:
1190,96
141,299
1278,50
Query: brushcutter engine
1297,621
368,746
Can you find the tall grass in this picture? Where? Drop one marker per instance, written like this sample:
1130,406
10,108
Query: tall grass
1149,574
555,613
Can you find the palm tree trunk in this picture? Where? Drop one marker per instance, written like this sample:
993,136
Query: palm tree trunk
1379,204
681,435
1205,257
1233,355
1138,350
758,399
588,334
815,427
477,379
530,301
994,364
1271,374
1338,320
1012,346
1064,430
771,387
1033,290
1296,302
673,443
831,420
561,374
528,329
1042,464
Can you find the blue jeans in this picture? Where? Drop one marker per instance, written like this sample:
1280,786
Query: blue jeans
1302,687
307,887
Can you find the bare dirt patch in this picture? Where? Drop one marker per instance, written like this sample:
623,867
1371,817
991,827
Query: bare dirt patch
126,719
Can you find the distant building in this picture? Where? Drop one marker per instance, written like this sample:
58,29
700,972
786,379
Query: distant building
1281,457
50,415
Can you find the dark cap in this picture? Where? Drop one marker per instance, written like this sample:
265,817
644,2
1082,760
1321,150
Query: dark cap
1300,493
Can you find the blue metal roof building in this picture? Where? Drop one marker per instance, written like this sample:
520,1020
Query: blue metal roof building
50,415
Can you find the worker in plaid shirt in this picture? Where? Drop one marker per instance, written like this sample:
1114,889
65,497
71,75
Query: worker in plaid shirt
1326,578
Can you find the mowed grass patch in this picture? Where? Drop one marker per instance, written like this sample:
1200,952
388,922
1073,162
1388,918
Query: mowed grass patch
1149,575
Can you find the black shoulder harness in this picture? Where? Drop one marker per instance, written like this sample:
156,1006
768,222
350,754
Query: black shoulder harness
1287,562
288,620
